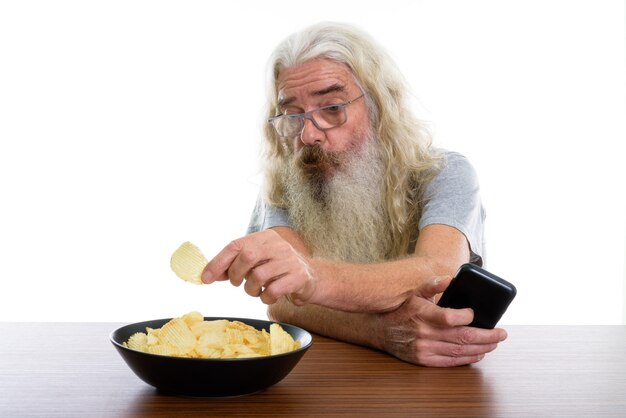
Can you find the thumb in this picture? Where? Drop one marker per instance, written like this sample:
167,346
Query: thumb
217,268
433,286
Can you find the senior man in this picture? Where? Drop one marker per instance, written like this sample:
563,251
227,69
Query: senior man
362,221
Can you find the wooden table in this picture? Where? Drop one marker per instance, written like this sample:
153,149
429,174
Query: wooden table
72,370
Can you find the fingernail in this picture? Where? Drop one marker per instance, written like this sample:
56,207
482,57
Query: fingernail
205,277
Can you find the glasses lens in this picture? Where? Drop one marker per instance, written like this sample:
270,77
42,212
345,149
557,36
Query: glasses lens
330,116
288,125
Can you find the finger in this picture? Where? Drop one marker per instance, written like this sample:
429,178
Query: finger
432,287
252,289
472,335
254,281
446,361
277,288
442,317
462,350
297,290
217,268
255,287
450,354
244,264
268,271
251,257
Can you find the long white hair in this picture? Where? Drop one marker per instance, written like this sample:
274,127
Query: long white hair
409,160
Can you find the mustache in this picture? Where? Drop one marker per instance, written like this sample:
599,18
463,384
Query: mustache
314,158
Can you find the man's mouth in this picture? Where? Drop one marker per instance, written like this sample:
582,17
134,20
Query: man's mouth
313,160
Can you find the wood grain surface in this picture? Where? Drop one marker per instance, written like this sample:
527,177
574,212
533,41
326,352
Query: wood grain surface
72,370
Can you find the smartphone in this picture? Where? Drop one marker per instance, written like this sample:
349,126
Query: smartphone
487,294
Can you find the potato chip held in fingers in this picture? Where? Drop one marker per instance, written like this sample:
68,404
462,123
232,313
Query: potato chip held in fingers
188,262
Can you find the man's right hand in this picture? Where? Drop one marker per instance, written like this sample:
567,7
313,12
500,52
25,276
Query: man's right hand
269,266
423,333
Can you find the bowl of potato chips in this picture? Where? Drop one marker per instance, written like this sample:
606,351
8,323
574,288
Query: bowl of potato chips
203,356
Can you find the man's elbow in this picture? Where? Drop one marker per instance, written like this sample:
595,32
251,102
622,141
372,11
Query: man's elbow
444,266
271,313
277,311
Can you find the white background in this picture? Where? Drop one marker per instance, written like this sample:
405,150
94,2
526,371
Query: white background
128,127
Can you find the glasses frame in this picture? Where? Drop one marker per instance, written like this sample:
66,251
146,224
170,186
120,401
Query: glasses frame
309,115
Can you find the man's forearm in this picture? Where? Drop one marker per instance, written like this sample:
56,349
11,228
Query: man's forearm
372,288
356,328
381,287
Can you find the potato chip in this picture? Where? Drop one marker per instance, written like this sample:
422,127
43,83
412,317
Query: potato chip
193,318
188,262
208,352
153,336
162,350
234,336
192,336
213,339
260,343
239,325
280,341
205,327
177,335
138,341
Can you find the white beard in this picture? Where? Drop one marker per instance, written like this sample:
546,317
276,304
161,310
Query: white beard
342,216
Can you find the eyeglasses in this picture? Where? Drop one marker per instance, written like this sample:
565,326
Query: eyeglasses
324,118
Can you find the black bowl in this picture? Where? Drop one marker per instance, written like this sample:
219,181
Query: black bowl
210,377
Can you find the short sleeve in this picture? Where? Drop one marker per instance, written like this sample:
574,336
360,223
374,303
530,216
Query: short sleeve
453,198
265,216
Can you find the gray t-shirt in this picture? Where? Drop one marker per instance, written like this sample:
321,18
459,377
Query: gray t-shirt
452,198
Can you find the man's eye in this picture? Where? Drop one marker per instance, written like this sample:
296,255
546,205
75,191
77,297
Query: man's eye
332,108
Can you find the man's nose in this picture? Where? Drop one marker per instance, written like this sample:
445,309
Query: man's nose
311,134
